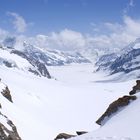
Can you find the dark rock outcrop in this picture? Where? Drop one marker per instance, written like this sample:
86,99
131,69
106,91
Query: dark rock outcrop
81,132
135,88
5,133
6,94
115,107
64,136
67,136
8,130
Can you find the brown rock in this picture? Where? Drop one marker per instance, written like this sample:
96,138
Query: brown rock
114,108
135,88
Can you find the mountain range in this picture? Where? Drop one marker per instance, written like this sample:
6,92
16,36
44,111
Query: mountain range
126,61
34,59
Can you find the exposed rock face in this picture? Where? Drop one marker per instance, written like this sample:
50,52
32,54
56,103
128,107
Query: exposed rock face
42,69
6,94
64,136
135,88
5,133
39,68
81,132
8,130
115,107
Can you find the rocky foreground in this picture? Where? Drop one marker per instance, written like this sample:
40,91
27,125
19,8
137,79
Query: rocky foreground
8,130
114,108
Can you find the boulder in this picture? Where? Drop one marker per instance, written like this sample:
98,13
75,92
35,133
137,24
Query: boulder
64,136
136,88
81,132
115,107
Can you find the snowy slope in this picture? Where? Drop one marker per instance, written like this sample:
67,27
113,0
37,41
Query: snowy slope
122,126
43,108
14,61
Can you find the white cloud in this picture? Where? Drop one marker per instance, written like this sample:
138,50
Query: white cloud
116,36
19,22
115,27
122,34
68,38
64,40
132,26
110,35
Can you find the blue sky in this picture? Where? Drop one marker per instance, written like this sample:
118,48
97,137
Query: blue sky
71,24
43,16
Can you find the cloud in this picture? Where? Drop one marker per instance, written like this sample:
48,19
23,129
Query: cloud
63,40
108,35
115,27
129,5
116,36
132,26
68,38
3,34
19,22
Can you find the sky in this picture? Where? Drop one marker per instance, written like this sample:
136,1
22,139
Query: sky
69,20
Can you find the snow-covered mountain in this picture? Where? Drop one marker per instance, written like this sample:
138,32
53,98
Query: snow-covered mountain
105,61
53,57
127,60
11,60
33,59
